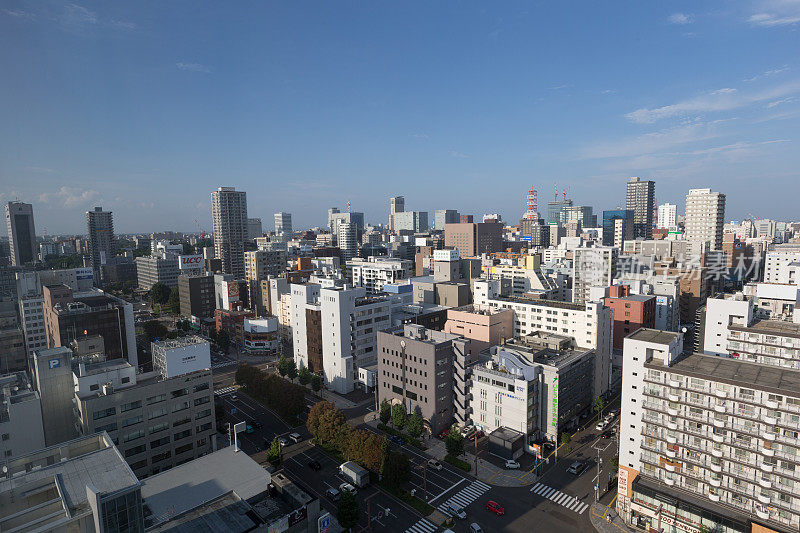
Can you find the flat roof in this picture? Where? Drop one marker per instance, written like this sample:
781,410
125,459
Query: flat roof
735,372
771,327
190,485
227,513
654,335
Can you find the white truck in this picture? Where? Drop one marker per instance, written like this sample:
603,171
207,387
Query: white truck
355,473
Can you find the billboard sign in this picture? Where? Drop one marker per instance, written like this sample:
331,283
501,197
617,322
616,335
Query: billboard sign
188,262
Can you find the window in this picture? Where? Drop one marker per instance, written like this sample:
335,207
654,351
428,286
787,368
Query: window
156,399
111,411
159,442
130,406
183,434
132,420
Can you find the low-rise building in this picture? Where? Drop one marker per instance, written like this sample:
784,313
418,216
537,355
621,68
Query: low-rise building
161,268
21,428
631,311
374,272
197,295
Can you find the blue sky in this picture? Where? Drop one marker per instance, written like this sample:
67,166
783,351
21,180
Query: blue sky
145,107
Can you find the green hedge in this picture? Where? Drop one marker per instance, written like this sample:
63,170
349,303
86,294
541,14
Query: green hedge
411,441
458,463
424,508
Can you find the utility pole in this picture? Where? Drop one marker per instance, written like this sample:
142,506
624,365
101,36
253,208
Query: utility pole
476,457
425,479
597,485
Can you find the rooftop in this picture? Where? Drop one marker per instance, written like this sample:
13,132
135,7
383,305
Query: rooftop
179,342
190,485
634,297
778,328
538,301
735,372
656,336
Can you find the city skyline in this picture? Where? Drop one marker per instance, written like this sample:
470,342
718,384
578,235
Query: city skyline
146,111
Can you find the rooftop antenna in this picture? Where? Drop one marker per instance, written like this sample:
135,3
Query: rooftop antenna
348,206
555,197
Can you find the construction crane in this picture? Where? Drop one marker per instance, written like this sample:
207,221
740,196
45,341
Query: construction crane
202,231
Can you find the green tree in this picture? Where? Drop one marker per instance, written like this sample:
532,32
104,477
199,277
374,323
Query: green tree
386,412
159,293
566,438
348,512
174,301
291,370
274,451
598,406
396,469
399,415
613,464
223,340
283,366
316,382
454,443
154,329
414,425
304,376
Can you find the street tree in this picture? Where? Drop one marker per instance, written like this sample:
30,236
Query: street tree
386,412
399,415
414,425
348,512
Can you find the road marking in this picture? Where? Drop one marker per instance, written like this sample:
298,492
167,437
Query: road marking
465,496
447,490
423,526
559,498
224,390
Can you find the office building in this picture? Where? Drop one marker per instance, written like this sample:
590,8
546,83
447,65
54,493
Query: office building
158,419
80,485
347,238
375,272
705,217
52,370
641,199
197,296
335,331
355,218
20,417
102,243
12,339
592,267
631,311
782,266
706,440
254,229
473,240
21,233
411,221
160,268
665,289
69,315
617,227
484,327
667,216
260,264
397,204
283,225
581,214
229,216
555,211
415,369
445,216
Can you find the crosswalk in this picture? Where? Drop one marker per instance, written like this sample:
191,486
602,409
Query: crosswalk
464,497
558,497
225,390
423,526
222,365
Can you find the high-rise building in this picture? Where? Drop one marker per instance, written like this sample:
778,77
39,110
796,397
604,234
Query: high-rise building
21,233
397,204
283,225
347,237
254,228
197,296
555,211
415,221
641,199
705,217
472,240
331,212
667,216
445,216
617,227
229,214
592,267
102,244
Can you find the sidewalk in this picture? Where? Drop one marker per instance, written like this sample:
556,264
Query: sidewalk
339,401
605,520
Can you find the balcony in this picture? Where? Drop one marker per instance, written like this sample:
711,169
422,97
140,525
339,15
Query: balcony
669,481
713,497
719,408
716,453
716,468
719,393
672,425
771,404
767,467
763,498
771,420
768,435
673,397
714,483
672,454
672,412
768,452
762,514
672,439
767,484
719,423
669,467
674,384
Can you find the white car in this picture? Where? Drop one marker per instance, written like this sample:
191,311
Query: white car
457,511
347,487
433,464
601,425
512,464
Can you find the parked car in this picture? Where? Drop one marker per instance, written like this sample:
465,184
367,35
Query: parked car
467,430
576,468
234,397
257,424
314,465
601,425
495,507
347,487
397,440
333,494
475,528
511,464
433,464
295,437
457,511
608,434
283,441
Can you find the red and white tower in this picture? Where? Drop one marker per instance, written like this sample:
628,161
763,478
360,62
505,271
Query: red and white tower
530,210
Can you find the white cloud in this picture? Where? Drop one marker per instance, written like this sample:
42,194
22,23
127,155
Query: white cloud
680,18
654,142
70,197
720,100
19,13
420,136
781,101
768,73
772,13
459,155
75,14
194,67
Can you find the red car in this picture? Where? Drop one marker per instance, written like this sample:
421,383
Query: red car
444,433
495,507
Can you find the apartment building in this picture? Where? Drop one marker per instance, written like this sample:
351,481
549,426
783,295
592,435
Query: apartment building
641,199
229,217
589,325
484,326
705,217
161,268
592,267
667,294
157,419
415,369
706,441
617,227
667,216
21,428
631,311
373,273
334,331
525,280
782,266
21,233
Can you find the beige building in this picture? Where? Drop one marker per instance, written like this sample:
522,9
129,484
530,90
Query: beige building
484,326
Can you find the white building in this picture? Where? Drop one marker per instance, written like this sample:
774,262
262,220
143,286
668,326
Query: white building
21,428
173,357
283,225
347,239
260,334
375,272
229,216
335,331
592,267
667,291
721,313
667,216
782,266
705,217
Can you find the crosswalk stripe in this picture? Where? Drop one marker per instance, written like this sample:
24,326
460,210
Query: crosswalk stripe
561,500
553,496
541,490
548,492
583,508
536,487
573,504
